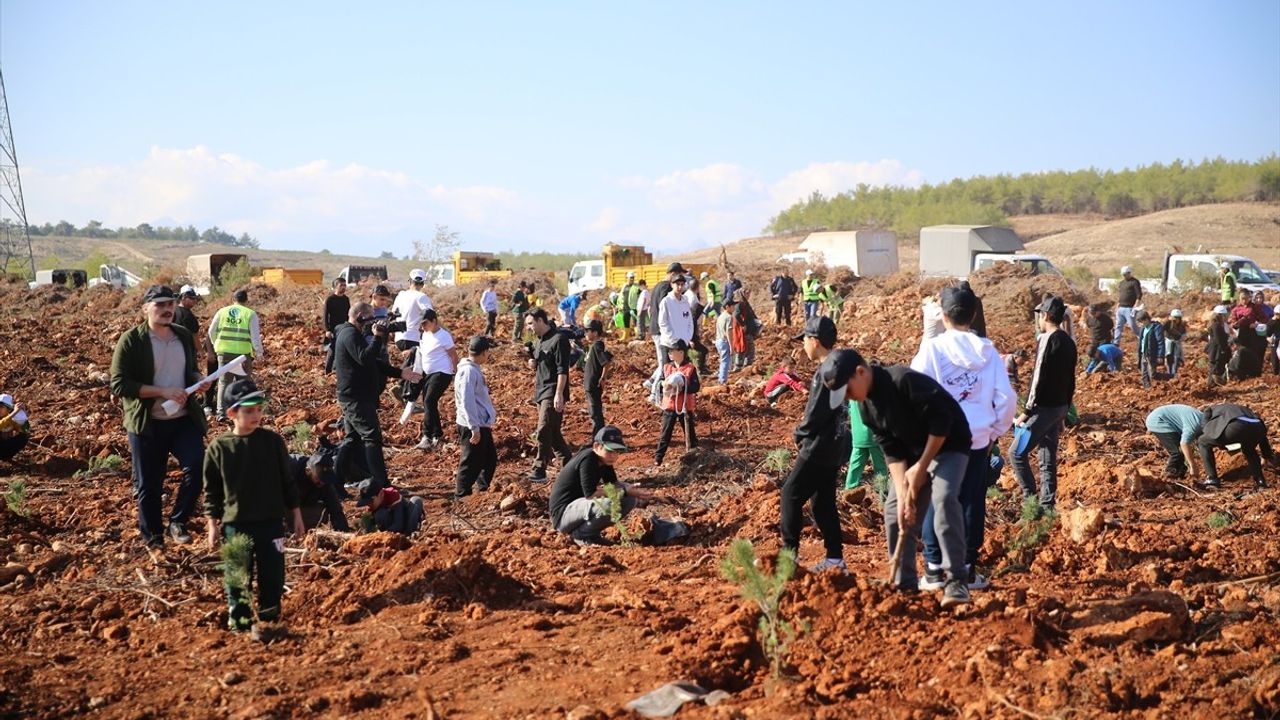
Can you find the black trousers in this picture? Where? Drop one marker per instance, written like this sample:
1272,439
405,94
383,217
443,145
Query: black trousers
669,418
1176,466
595,404
478,461
810,482
266,567
409,391
11,446
1252,436
550,437
435,386
782,310
490,323
360,423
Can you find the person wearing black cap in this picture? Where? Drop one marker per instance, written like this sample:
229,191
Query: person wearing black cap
678,386
926,441
249,490
578,507
1053,383
317,484
971,369
155,362
660,291
595,366
475,416
362,371
551,358
823,443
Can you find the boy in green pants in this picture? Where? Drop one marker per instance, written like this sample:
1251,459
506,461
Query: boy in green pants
864,447
249,491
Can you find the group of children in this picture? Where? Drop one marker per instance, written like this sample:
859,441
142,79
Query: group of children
1159,343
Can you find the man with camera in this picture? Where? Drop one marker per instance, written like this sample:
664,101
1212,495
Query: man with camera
362,372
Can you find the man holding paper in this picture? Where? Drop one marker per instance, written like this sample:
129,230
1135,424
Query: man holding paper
155,362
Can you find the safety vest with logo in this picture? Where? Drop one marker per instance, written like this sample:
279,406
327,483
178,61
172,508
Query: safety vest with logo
233,336
1228,286
713,290
812,290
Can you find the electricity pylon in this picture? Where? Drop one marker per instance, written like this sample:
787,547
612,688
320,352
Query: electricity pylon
13,211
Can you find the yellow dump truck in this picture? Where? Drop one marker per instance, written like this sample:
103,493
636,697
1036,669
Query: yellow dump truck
279,276
466,267
618,260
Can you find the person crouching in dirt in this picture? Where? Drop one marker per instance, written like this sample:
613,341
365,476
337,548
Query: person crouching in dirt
362,371
1150,346
153,363
822,442
969,368
1175,329
578,506
475,417
15,428
389,511
782,380
1218,349
317,487
1251,346
249,491
1176,427
595,366
1227,424
680,384
1107,357
926,442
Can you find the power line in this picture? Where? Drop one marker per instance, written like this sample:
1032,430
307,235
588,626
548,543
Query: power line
13,211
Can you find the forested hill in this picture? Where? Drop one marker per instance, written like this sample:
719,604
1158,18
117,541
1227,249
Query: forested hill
993,199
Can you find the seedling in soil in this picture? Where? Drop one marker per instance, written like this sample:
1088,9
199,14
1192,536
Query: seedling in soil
236,553
1032,510
995,493
778,460
1219,519
15,498
110,463
612,504
299,435
776,632
881,484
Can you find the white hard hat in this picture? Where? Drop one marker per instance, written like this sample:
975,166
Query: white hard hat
808,272
631,273
1126,270
186,290
703,276
6,399
1175,313
1224,265
418,275
1220,310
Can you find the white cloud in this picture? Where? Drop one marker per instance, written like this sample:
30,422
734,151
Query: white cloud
713,185
835,177
605,222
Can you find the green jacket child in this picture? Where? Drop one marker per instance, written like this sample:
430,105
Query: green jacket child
864,448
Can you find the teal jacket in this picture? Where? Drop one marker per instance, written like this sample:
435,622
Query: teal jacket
133,365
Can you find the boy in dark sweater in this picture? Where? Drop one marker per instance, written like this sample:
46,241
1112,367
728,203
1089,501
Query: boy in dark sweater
595,366
1053,383
249,490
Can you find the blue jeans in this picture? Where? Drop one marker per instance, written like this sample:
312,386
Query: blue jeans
726,358
810,309
973,505
1125,315
1046,426
182,439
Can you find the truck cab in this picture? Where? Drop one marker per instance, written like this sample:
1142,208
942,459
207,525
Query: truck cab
586,275
442,275
1039,264
1184,273
356,274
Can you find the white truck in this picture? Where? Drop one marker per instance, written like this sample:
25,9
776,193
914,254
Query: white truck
1189,272
955,251
868,253
115,276
71,277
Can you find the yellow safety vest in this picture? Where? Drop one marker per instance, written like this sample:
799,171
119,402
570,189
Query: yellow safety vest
233,337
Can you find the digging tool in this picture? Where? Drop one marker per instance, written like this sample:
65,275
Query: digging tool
235,366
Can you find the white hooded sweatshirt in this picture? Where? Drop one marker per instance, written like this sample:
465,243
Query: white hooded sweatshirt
970,368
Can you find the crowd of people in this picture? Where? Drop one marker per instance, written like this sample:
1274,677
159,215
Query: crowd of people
931,427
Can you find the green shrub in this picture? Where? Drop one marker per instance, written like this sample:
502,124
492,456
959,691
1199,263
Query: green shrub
1080,275
778,461
881,484
776,633
232,276
108,464
298,435
1219,519
15,497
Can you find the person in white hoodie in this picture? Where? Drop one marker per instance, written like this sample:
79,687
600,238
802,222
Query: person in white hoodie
475,417
675,322
971,370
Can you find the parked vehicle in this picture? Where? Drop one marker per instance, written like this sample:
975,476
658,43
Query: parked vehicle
1189,272
115,276
868,253
67,276
618,260
356,274
203,270
958,250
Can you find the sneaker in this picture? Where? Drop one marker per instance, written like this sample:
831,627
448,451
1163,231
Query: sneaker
538,476
832,565
427,443
178,533
977,581
956,593
933,579
590,541
1211,483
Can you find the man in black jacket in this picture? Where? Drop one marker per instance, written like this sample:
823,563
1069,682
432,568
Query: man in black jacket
551,357
783,289
336,308
1218,349
1227,424
362,372
824,442
1053,383
925,438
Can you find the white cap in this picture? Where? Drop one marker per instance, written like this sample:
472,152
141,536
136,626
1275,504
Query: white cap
631,273
6,399
1175,313
1126,270
418,275
1220,310
186,290
1224,265
703,276
808,272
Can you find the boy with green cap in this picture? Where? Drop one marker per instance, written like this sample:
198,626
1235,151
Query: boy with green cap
249,490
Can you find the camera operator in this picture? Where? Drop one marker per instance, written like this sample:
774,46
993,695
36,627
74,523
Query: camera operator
362,371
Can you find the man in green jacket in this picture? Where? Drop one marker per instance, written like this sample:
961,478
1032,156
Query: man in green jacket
153,363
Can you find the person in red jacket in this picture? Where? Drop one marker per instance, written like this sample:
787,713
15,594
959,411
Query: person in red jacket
782,381
679,386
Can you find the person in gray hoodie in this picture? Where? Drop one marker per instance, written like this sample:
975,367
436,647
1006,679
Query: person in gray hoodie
969,368
475,417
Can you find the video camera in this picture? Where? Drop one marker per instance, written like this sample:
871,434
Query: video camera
385,325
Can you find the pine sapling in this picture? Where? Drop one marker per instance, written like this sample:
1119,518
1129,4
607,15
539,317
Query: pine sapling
612,504
236,553
15,498
776,633
778,460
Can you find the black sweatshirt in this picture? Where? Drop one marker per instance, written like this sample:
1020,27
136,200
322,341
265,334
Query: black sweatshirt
905,407
248,478
1128,292
1053,379
579,479
336,310
187,319
659,291
823,434
361,370
1219,348
551,358
593,366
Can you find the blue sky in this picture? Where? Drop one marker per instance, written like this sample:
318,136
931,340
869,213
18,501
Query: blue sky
358,126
